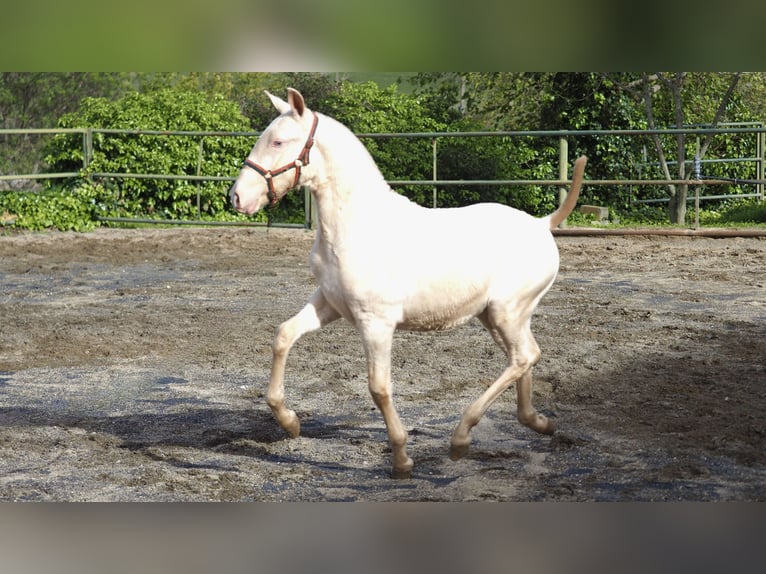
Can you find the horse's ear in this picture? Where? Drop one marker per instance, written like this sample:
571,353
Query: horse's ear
282,106
295,99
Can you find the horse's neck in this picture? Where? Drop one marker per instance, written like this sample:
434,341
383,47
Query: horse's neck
350,187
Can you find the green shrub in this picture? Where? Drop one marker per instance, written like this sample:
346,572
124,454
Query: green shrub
63,209
164,110
745,212
734,213
366,108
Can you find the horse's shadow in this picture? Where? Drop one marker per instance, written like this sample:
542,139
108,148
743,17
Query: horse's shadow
220,433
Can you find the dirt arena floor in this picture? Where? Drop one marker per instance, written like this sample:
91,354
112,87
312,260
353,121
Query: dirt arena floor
133,366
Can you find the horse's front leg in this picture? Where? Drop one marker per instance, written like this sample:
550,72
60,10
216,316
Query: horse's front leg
377,344
314,315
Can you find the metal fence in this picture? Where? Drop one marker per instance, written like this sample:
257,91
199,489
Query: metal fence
758,131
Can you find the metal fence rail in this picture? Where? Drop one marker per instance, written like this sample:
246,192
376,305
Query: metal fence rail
563,136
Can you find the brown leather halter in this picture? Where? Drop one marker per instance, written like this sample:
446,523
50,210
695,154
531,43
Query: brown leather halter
301,160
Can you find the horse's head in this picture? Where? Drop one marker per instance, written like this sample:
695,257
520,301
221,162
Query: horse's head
276,162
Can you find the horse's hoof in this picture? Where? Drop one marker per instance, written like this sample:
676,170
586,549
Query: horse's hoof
545,425
399,473
291,424
403,471
458,451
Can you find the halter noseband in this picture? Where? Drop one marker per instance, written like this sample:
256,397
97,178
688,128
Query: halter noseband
301,160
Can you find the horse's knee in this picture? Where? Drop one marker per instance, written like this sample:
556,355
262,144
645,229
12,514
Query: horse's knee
381,397
397,435
283,340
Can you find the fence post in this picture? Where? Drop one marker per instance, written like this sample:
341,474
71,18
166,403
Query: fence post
563,169
697,176
761,153
433,144
199,172
87,149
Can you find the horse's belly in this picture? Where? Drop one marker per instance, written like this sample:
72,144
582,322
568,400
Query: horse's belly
435,322
434,312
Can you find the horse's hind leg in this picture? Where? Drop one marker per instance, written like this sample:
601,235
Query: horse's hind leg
525,411
314,315
461,438
523,353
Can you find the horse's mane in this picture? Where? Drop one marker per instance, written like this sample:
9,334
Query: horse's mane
346,151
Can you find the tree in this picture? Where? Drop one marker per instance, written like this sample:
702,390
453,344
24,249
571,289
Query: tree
37,100
494,100
586,101
681,99
595,101
244,89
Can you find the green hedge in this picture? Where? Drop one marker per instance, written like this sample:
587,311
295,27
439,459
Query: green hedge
66,210
165,110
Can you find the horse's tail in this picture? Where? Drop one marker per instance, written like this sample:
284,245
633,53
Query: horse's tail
555,218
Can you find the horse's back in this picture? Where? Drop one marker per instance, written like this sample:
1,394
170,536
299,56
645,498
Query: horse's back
484,235
450,263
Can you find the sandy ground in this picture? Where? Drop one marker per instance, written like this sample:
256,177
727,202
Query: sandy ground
133,365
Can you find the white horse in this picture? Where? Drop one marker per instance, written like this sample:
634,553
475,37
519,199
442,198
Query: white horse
384,263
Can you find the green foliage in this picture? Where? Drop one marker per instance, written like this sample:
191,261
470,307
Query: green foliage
495,158
738,212
439,102
588,101
65,210
750,212
642,214
366,108
246,90
37,100
595,101
170,110
316,89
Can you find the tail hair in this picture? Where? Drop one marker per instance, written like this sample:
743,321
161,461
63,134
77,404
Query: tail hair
558,216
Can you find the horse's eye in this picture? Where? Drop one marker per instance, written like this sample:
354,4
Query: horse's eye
276,144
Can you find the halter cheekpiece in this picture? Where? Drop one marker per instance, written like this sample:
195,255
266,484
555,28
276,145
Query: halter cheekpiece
300,161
